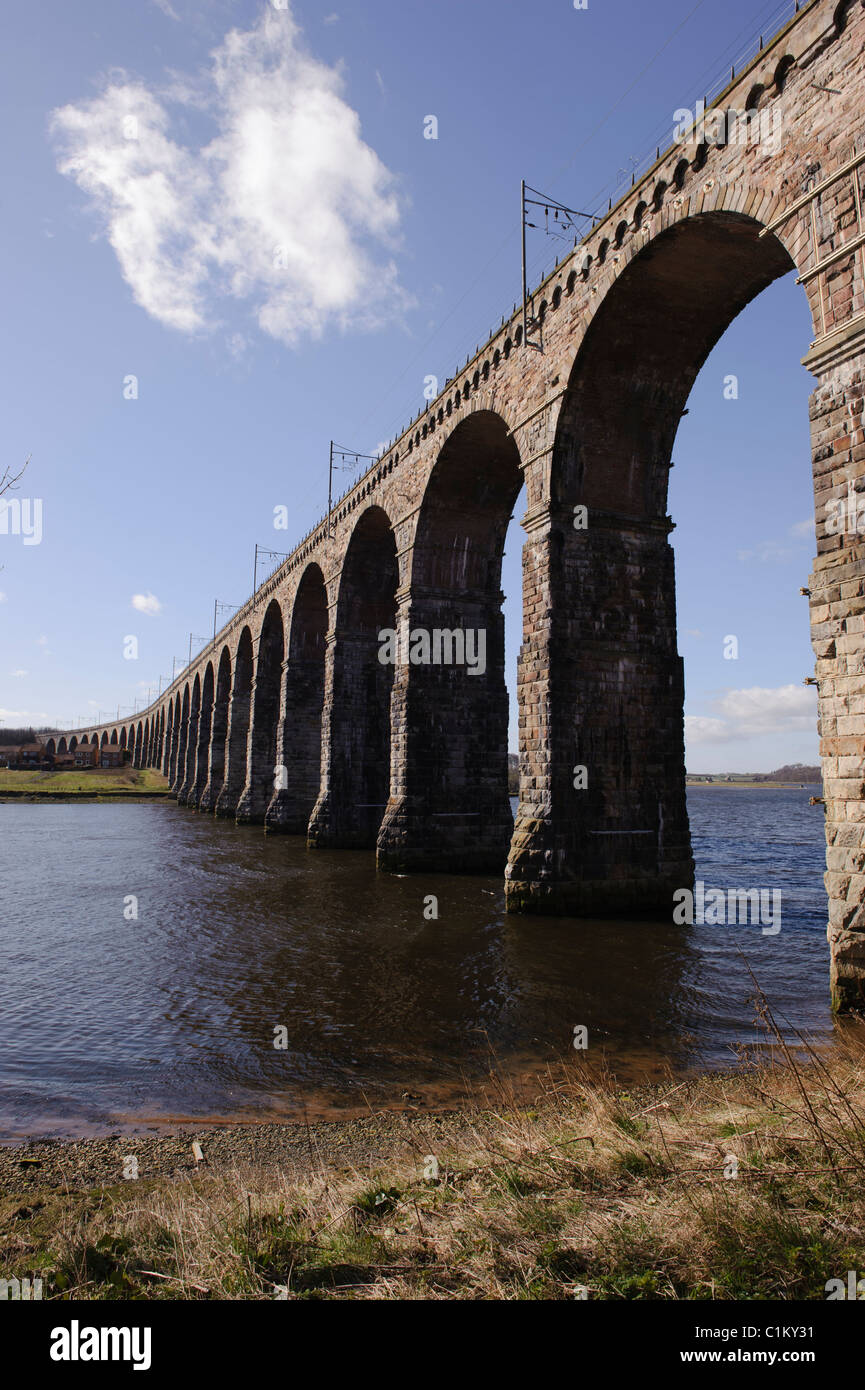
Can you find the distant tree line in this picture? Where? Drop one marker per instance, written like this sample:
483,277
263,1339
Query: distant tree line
791,772
17,736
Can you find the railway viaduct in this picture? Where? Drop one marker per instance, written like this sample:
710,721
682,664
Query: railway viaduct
290,719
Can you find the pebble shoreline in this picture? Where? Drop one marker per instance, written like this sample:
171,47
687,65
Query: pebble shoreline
73,1164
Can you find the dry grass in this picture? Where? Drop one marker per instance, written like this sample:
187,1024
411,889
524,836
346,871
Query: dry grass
597,1190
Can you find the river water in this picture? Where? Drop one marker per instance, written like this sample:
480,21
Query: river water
110,1022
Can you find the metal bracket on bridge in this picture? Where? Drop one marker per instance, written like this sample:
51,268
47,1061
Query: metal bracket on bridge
563,226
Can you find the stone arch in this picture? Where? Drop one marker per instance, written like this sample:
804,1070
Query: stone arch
113,738
191,749
621,843
688,282
182,740
170,755
450,700
358,734
51,747
158,738
238,728
218,733
202,748
73,744
123,737
261,777
299,748
104,741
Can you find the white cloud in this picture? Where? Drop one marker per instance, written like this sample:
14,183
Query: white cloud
23,716
285,208
754,712
331,18
147,603
167,9
2,596
20,673
803,529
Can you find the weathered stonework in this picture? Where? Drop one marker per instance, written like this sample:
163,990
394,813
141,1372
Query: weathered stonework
289,718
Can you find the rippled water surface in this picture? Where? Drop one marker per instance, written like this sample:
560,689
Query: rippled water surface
108,1023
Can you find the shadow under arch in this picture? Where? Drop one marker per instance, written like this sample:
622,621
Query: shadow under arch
182,741
607,833
201,752
218,734
261,774
238,728
450,810
174,749
299,738
357,733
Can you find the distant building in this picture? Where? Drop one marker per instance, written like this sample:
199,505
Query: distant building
112,755
86,755
26,756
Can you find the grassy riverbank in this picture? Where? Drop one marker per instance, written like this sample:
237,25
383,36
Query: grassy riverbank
88,784
619,1194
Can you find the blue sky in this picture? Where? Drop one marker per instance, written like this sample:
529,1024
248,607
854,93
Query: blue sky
134,251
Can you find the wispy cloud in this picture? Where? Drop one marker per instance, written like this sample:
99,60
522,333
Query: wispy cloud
286,209
773,552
